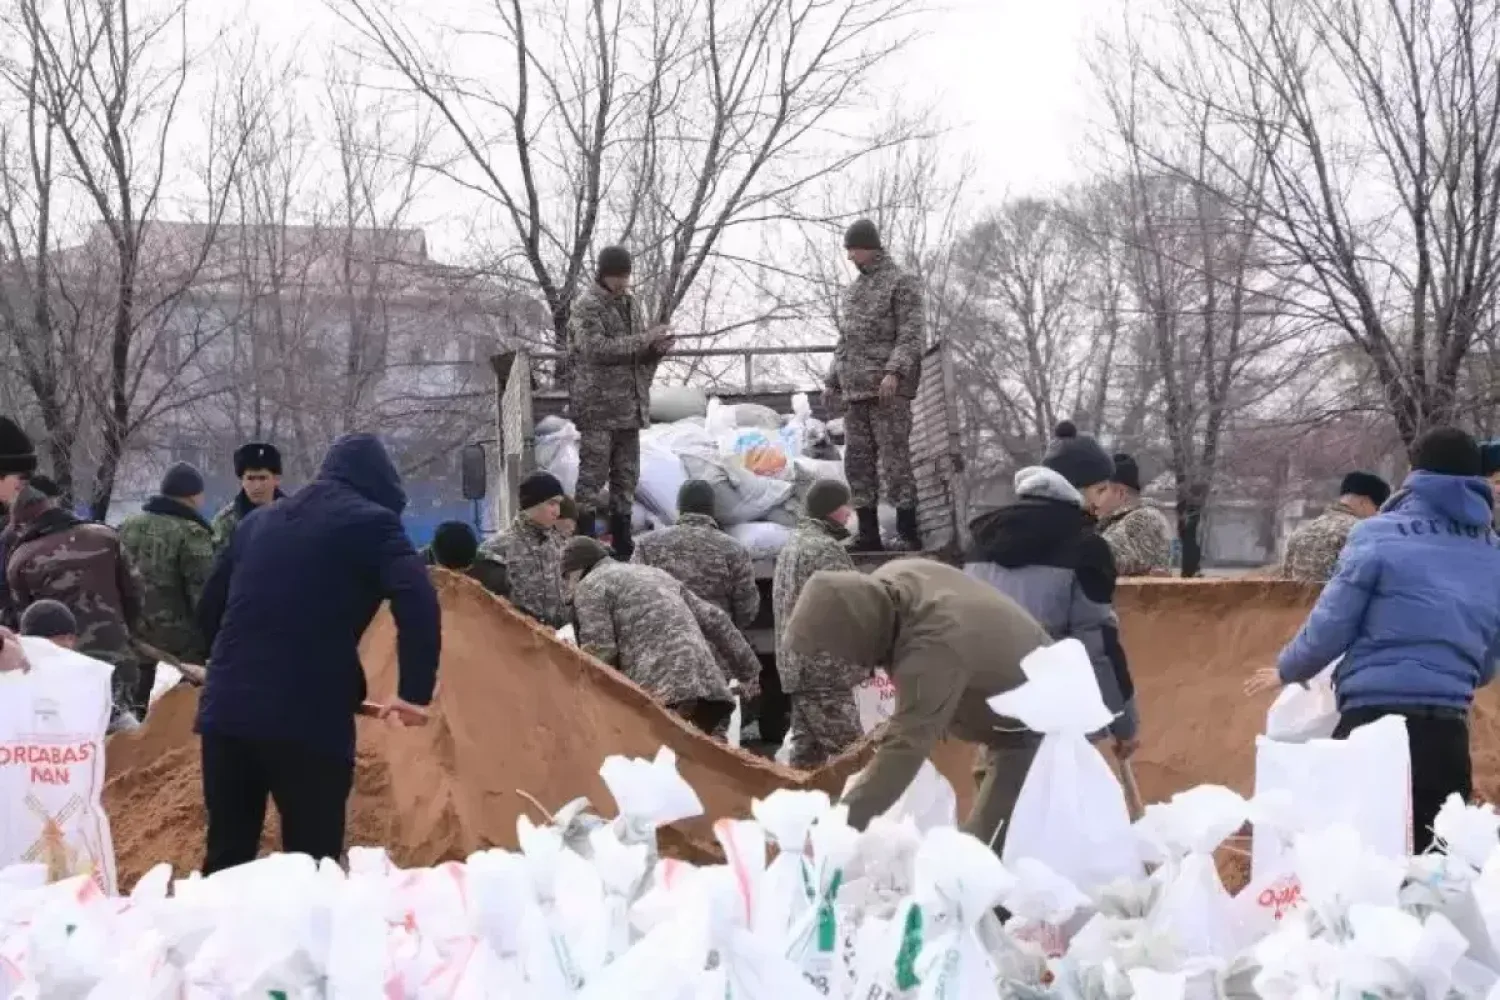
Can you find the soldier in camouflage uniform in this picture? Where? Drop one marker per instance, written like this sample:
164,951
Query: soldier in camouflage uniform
83,566
1313,549
876,368
171,547
612,359
708,562
646,624
258,468
1138,535
825,718
531,551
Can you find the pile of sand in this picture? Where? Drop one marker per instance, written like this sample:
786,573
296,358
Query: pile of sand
517,711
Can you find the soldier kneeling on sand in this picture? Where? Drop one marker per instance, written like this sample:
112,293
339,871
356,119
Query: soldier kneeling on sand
644,623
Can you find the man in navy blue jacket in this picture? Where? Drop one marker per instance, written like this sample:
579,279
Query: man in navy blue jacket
1414,609
284,611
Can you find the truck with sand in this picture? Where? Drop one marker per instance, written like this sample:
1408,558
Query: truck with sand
526,391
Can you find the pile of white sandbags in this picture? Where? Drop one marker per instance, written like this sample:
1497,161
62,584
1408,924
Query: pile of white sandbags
760,463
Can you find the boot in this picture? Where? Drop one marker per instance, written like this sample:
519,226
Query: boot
587,525
907,530
619,533
868,539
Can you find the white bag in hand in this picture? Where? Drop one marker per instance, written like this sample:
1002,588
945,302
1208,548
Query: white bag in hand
1363,781
52,723
1305,713
1071,813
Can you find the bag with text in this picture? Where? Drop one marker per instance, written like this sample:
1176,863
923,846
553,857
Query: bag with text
52,723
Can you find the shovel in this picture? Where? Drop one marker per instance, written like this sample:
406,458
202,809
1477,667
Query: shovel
1132,790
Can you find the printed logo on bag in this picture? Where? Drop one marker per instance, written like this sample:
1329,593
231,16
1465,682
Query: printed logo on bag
48,763
1282,896
1048,937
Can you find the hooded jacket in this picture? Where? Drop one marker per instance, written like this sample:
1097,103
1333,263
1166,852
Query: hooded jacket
949,642
1043,553
290,598
1412,606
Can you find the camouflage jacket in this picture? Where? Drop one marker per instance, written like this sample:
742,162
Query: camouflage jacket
658,633
882,330
1314,547
229,517
532,557
171,547
82,565
609,361
813,547
710,563
1140,539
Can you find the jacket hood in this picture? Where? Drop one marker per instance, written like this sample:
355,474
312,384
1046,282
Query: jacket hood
48,521
360,462
1465,499
846,614
1047,515
170,507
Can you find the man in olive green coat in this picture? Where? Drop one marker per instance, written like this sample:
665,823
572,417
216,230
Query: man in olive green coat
171,546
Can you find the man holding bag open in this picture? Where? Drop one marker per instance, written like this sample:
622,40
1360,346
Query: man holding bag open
950,642
1413,610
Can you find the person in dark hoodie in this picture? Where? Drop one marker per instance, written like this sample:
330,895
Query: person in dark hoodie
258,468
283,612
1412,609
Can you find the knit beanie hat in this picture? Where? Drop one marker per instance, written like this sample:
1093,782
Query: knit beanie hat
1078,457
824,497
862,235
17,456
538,488
181,481
1365,484
614,262
1489,458
454,544
259,456
582,553
1446,451
48,619
696,497
1127,473
568,511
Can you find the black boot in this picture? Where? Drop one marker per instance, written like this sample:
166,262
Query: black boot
619,533
868,539
907,530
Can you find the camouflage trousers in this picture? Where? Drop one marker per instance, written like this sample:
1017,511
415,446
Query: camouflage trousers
612,458
877,453
824,725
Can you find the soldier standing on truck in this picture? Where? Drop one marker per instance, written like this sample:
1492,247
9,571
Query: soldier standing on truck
825,717
531,552
1138,535
612,361
876,368
707,561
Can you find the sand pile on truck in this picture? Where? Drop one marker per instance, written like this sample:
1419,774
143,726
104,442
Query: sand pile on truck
518,710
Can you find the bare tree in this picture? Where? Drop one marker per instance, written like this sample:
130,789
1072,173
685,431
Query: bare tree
669,125
1378,128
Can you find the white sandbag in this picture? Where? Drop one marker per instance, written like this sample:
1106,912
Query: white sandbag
1363,782
739,495
662,476
167,677
756,415
929,801
557,451
670,403
1301,713
876,700
1071,813
685,437
763,539
52,724
810,470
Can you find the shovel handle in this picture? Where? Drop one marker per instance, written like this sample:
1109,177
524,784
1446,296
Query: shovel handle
1132,790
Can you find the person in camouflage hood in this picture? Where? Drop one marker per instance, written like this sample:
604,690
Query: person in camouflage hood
1313,549
84,566
657,632
876,369
612,359
1138,535
708,562
258,468
531,552
171,546
825,718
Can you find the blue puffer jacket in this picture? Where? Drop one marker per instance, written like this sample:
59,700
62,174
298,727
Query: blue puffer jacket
294,591
1414,603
